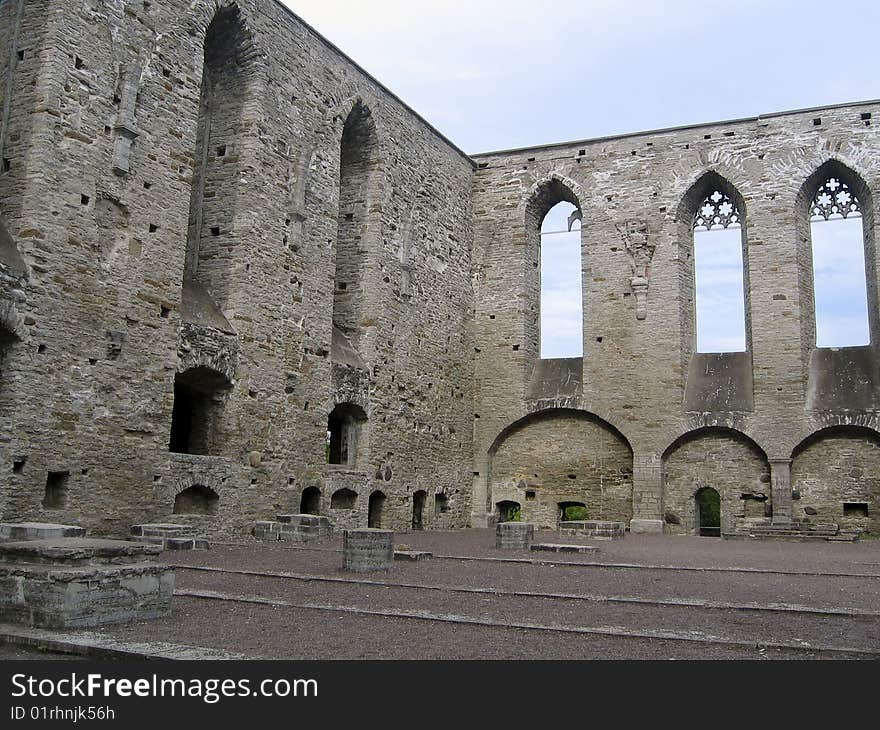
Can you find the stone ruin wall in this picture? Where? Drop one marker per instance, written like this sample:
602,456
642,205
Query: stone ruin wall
284,173
733,422
108,170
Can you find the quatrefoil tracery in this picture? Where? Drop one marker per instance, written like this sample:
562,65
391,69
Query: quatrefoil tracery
717,211
835,199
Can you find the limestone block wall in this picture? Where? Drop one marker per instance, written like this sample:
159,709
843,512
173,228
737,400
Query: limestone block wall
119,183
715,459
836,474
564,458
641,372
208,199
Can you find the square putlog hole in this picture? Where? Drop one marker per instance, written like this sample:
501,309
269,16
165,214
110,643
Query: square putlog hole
855,509
56,490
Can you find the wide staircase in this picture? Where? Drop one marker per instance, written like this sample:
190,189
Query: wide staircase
795,531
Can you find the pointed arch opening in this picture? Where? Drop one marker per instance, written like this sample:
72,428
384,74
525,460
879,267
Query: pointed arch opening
357,225
714,276
227,81
553,278
836,231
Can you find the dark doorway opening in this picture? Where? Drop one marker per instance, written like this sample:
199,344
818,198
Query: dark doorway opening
199,395
377,506
345,430
419,500
708,504
310,504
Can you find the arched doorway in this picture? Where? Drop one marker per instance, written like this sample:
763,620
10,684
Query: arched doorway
419,500
377,506
310,504
707,503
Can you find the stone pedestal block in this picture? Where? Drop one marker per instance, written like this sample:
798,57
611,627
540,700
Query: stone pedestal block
514,536
80,583
12,532
267,531
170,537
592,528
646,527
366,551
304,528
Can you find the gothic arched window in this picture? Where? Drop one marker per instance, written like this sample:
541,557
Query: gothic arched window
839,280
720,275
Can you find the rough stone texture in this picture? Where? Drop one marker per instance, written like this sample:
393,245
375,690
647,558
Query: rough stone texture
592,528
638,195
724,461
234,182
514,536
366,551
563,457
37,531
304,528
75,583
837,468
215,229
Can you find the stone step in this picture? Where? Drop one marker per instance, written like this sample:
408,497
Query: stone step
411,556
593,528
159,530
550,548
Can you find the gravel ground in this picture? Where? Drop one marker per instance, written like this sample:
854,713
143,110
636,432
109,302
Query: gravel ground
306,633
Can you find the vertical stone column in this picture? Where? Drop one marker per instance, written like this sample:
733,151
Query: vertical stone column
647,493
780,480
480,516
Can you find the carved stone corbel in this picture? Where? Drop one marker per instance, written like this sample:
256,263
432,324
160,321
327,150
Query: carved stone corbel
640,250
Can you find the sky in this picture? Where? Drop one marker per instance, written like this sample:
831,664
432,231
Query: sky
499,74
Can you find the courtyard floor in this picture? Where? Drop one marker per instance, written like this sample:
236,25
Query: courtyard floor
644,597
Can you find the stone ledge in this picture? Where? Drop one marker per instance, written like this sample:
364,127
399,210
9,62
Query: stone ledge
411,556
548,548
99,646
24,531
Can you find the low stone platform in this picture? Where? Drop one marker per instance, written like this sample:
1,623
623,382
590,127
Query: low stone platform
303,529
514,536
549,548
367,551
411,556
170,537
793,532
12,532
82,583
594,528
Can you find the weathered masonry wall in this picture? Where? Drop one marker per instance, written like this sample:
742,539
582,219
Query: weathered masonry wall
171,181
731,421
239,278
